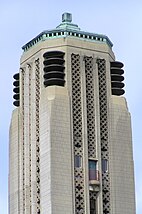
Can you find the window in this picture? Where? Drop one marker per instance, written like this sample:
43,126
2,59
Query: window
104,165
77,161
92,170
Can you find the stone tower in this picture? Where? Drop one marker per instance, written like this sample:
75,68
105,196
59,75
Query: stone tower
70,133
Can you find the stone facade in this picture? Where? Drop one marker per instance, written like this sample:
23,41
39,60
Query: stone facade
70,138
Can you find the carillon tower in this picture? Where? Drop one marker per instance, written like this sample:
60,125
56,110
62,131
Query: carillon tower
70,133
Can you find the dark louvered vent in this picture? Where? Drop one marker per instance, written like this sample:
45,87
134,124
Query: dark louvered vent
16,90
117,78
54,68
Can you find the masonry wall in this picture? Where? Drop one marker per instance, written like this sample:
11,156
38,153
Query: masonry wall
55,145
121,158
14,164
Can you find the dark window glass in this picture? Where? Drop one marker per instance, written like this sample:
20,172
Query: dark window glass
104,165
92,170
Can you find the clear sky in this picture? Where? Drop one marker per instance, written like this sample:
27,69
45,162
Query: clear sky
21,20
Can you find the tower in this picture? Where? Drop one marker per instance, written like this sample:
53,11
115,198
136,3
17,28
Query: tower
70,133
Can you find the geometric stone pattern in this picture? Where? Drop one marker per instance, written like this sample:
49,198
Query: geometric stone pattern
90,115
77,133
30,131
23,137
26,125
93,195
90,106
104,133
37,98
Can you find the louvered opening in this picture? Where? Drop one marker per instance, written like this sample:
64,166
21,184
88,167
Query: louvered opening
116,73
54,68
16,90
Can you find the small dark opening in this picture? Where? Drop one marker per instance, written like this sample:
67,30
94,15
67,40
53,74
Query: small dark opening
92,206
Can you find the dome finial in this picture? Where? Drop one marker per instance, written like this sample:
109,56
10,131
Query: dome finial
67,22
66,17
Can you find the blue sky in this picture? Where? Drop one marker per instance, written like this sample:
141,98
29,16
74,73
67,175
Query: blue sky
120,20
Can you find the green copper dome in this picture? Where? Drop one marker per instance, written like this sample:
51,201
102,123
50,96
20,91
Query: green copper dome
67,29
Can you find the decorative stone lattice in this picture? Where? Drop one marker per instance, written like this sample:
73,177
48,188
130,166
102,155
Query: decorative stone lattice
90,107
30,110
37,98
93,195
77,133
25,76
23,138
104,133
